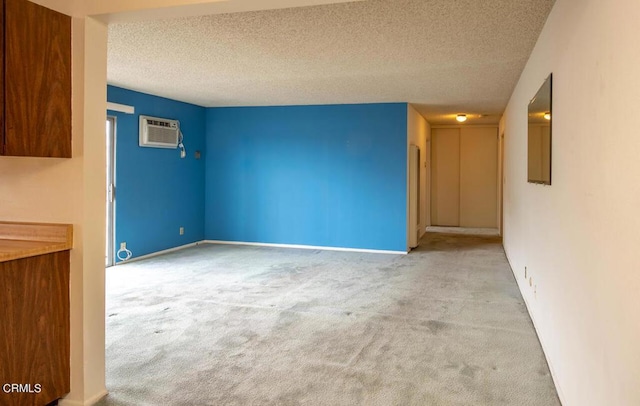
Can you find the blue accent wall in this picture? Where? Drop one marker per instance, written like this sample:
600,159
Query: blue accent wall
157,192
333,175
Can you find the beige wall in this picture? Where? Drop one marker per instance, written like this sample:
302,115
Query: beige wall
579,237
93,212
419,134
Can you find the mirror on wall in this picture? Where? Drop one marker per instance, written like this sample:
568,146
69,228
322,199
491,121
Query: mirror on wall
539,136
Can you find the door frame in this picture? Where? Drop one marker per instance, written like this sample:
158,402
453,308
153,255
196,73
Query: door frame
501,183
111,140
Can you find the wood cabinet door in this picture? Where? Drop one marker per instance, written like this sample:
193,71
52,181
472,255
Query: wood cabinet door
34,329
38,81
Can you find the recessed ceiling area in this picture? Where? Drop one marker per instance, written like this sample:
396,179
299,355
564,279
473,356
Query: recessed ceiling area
444,56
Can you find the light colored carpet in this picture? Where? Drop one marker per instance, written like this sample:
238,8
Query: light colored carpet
464,230
234,325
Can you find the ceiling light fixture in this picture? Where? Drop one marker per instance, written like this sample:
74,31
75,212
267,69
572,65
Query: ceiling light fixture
547,116
461,118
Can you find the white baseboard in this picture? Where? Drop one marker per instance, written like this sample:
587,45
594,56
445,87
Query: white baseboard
87,402
155,254
542,342
259,244
304,247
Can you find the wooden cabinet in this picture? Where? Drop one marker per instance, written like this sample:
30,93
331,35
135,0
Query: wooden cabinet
34,312
34,329
36,87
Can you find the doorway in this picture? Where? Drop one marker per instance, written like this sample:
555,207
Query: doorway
111,190
414,196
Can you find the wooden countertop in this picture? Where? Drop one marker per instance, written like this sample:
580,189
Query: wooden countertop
23,240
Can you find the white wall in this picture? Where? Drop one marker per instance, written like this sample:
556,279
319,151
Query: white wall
419,134
580,237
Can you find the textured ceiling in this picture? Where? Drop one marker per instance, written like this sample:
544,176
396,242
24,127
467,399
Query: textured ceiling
444,56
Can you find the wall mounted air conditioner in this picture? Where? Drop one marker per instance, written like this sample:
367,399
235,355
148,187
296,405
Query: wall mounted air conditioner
159,132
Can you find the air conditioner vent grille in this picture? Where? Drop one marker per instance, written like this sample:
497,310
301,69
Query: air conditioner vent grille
162,135
159,123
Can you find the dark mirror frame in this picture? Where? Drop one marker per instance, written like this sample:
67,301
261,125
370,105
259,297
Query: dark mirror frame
538,143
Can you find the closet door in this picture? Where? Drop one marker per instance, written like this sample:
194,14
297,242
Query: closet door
478,177
445,177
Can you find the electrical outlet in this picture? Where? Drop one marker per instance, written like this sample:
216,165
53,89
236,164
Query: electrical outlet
525,272
123,245
181,230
